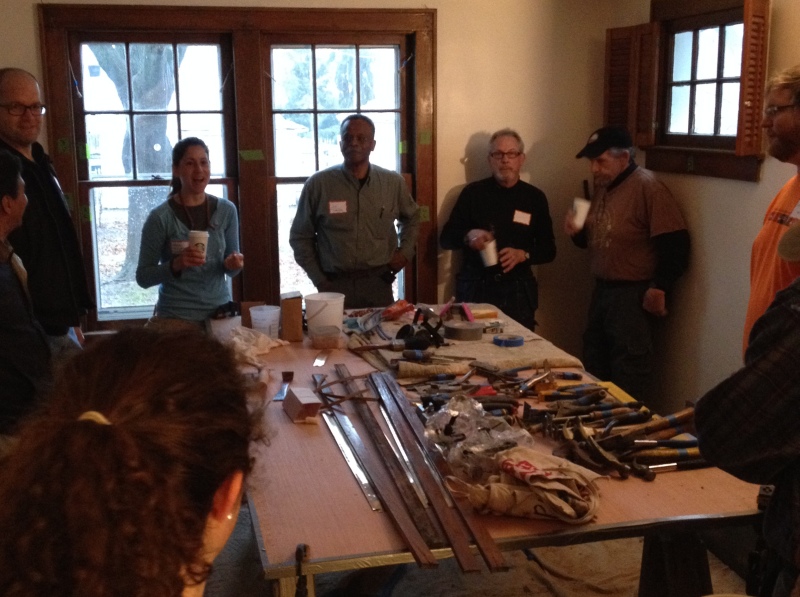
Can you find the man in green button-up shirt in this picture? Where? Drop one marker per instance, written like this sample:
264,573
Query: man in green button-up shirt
344,233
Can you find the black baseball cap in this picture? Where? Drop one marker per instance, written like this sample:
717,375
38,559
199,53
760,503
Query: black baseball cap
604,139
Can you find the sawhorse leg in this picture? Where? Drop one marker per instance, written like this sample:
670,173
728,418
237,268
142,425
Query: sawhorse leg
674,565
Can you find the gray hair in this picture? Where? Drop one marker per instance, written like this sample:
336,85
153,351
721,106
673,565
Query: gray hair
618,151
507,132
787,79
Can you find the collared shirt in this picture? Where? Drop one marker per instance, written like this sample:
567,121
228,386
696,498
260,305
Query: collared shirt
748,424
343,225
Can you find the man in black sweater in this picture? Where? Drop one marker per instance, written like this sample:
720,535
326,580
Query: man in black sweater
515,215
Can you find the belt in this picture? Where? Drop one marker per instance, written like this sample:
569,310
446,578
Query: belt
357,274
496,274
603,283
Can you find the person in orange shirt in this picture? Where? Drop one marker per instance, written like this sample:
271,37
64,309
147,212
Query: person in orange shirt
768,272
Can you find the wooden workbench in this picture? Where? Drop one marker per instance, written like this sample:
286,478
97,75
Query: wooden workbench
302,491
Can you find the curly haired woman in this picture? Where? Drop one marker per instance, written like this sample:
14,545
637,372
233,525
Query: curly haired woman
129,481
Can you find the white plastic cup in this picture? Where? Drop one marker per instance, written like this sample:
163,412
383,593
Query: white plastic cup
324,308
198,239
489,253
266,319
580,208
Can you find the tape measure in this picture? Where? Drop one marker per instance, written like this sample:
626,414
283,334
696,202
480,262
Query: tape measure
508,340
463,330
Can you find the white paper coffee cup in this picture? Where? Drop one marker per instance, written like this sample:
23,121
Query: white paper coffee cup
198,239
489,253
580,207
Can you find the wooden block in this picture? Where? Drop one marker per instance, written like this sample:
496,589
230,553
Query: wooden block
483,311
292,316
301,403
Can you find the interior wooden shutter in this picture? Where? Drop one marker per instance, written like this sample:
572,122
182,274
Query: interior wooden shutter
754,66
631,80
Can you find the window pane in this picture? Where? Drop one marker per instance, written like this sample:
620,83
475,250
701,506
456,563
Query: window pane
387,144
100,63
682,57
734,34
153,146
291,78
209,128
379,78
109,145
199,79
707,53
729,115
292,275
152,76
679,110
294,144
118,211
336,78
328,125
705,105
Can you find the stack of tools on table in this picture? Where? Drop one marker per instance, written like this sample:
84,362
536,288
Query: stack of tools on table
501,394
641,449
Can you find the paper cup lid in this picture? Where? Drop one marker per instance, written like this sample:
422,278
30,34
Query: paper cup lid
789,245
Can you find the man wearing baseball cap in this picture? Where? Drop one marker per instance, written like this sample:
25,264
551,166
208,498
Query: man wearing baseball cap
638,247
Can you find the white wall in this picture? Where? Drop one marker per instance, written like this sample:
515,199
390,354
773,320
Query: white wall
537,66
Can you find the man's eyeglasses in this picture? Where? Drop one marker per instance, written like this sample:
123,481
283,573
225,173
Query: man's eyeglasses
773,111
499,155
16,109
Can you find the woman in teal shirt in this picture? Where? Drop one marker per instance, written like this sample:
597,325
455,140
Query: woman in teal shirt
191,285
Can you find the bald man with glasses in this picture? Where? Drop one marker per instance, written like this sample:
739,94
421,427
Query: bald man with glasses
768,272
46,241
513,213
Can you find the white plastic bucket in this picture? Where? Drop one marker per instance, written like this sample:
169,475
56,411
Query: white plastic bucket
324,308
266,319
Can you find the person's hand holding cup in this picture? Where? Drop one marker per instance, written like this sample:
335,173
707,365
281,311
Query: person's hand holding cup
576,217
483,241
194,254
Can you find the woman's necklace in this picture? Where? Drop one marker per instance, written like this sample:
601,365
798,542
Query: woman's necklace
188,214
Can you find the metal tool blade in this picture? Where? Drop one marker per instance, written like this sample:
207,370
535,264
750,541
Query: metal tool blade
286,378
352,461
321,358
400,452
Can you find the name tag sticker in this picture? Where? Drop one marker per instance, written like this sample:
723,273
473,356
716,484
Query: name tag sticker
337,207
521,217
177,246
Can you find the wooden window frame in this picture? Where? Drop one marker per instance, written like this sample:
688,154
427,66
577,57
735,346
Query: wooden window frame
246,26
636,89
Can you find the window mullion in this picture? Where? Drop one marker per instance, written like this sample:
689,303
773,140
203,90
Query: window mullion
175,67
131,126
693,80
315,105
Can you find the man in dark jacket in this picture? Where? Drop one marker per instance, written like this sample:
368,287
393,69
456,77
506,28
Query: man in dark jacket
46,241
